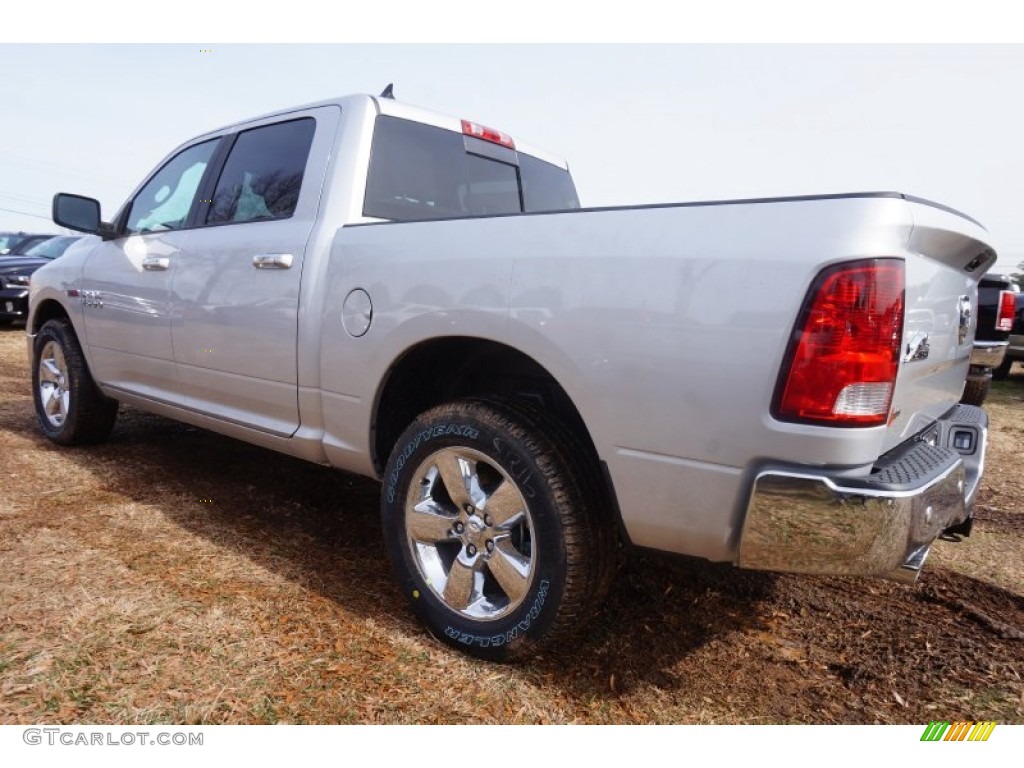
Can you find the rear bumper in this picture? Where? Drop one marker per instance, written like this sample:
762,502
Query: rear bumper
883,524
988,354
1016,349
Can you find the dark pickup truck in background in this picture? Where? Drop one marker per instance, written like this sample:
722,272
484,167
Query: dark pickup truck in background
1014,352
996,305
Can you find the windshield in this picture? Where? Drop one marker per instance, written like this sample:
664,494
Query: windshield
25,242
52,248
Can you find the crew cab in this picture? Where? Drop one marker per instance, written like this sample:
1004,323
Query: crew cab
420,299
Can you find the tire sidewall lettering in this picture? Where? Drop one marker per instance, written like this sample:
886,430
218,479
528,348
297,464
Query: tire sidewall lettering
516,468
420,438
506,637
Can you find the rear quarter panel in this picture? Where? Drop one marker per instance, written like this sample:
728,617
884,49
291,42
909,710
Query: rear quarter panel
666,325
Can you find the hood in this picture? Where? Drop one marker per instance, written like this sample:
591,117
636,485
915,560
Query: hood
17,265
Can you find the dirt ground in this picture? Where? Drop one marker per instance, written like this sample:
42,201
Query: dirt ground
175,576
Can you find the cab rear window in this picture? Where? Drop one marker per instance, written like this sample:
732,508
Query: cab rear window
419,172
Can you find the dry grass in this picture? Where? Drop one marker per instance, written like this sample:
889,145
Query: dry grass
174,576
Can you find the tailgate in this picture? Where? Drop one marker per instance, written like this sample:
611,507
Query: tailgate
947,255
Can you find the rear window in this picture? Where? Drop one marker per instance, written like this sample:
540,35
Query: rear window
546,187
420,172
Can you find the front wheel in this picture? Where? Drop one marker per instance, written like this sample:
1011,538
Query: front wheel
69,406
493,529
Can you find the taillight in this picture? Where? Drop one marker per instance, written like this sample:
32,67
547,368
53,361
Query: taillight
1007,306
842,361
487,134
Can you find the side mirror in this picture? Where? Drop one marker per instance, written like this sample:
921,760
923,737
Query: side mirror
81,214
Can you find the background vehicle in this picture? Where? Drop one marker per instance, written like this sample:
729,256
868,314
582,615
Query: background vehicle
18,244
9,239
1015,350
16,271
995,317
418,298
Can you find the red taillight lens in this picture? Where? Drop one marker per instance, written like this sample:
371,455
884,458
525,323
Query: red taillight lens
842,361
1007,305
487,134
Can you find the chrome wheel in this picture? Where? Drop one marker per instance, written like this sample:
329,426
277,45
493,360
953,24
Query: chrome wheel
470,533
54,394
69,406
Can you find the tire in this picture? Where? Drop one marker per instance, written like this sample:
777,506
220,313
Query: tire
69,406
1003,370
975,392
495,530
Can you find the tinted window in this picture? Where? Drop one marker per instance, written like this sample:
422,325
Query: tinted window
263,174
166,199
488,187
546,187
422,172
415,172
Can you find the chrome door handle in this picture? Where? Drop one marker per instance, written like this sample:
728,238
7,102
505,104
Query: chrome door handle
155,263
272,260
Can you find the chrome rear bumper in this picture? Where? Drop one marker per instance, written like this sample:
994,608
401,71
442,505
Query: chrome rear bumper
988,354
884,524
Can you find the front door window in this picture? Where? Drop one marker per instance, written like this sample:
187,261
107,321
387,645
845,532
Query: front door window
164,203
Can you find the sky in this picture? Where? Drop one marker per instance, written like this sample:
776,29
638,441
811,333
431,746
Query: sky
638,123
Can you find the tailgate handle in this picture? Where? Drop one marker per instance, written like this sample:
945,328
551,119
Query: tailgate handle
156,263
272,260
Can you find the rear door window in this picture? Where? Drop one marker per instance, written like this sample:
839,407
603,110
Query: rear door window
263,174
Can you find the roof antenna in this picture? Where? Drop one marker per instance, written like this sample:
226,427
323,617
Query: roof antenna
389,92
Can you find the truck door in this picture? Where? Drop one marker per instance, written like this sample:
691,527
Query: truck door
126,283
235,291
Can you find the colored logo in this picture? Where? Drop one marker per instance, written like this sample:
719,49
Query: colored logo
958,731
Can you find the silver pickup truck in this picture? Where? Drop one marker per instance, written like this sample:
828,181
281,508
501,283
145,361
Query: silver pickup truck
420,299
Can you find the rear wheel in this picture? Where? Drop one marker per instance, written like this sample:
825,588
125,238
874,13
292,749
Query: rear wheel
493,529
975,392
69,406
